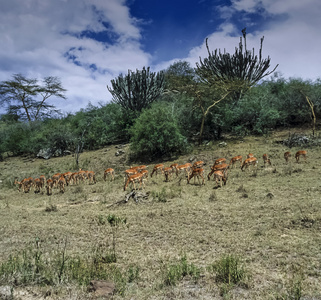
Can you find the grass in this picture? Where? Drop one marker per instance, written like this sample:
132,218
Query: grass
271,219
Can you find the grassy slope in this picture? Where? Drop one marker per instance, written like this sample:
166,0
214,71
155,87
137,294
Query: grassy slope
272,219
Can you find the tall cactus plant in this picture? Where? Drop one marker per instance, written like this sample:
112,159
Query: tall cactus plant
230,75
243,66
136,91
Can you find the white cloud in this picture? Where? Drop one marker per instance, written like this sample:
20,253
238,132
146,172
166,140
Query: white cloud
37,35
292,38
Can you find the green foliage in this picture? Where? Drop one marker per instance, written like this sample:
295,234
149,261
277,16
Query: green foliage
160,196
137,91
176,272
26,99
45,266
156,134
228,270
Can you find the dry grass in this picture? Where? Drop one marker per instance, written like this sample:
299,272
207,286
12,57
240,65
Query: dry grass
270,218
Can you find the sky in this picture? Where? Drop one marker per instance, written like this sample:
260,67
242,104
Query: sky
87,43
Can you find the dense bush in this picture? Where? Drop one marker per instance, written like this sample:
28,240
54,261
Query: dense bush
156,133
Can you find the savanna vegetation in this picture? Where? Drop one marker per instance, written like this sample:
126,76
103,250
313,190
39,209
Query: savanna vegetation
257,237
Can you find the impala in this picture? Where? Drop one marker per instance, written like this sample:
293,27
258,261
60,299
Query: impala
220,176
129,172
173,166
301,153
219,161
55,179
287,155
235,159
134,179
91,176
159,167
250,155
43,180
37,183
199,172
67,176
111,172
168,171
266,160
220,167
198,164
185,167
139,168
252,161
49,186
61,183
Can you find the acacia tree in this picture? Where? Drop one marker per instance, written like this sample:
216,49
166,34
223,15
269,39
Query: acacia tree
230,75
136,91
27,99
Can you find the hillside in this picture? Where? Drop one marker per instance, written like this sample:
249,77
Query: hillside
270,219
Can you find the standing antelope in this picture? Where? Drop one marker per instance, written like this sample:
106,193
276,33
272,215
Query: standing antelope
266,160
110,172
61,183
250,155
199,172
134,178
301,153
168,171
287,155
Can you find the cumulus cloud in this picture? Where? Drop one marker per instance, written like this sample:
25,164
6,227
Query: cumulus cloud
61,38
86,43
291,35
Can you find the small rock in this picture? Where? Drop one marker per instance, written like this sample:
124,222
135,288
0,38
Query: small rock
102,288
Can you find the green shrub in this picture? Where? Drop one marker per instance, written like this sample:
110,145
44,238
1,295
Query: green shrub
156,134
176,272
228,270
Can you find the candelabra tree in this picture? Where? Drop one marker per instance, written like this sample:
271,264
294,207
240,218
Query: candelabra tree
230,75
136,91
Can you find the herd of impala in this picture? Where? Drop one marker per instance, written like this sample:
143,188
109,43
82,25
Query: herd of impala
56,181
139,174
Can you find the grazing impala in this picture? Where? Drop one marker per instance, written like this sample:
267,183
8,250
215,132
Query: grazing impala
43,180
266,160
186,167
67,176
287,155
220,176
132,179
37,183
199,172
111,172
168,171
129,172
301,153
61,183
221,167
159,167
250,155
219,161
55,179
235,159
198,164
91,176
49,186
252,161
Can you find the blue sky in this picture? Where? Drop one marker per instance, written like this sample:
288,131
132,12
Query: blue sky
86,43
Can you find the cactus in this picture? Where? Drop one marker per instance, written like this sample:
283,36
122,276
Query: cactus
136,91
